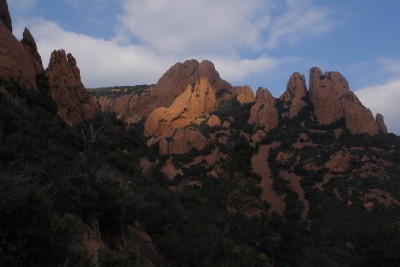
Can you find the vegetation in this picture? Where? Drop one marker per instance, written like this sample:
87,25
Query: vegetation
56,180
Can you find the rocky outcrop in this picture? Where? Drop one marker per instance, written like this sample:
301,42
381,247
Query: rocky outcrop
30,47
182,140
196,101
170,170
244,94
358,118
380,122
296,90
264,112
15,63
176,80
332,100
325,93
339,162
214,121
74,103
5,15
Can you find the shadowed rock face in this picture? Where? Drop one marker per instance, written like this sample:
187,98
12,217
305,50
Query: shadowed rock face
332,100
358,118
5,15
325,91
295,91
29,44
15,62
73,101
264,112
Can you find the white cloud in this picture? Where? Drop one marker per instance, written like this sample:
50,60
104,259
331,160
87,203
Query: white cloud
101,62
384,99
298,20
196,26
168,31
391,65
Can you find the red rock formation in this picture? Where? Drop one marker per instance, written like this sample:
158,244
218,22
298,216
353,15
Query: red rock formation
332,100
183,140
170,170
176,80
264,112
15,63
380,122
358,118
214,121
5,15
74,103
196,101
30,47
244,94
171,85
295,90
325,91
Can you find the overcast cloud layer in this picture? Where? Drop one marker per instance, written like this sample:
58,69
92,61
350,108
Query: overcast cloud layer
241,37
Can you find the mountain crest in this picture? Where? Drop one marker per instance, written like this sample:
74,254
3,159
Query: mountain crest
5,15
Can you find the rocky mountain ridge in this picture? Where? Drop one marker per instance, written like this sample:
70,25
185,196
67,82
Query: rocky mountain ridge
191,171
21,63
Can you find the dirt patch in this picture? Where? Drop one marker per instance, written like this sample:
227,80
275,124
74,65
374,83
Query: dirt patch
260,166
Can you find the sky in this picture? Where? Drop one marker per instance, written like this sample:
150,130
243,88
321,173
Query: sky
259,43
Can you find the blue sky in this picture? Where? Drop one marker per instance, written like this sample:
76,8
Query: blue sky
254,42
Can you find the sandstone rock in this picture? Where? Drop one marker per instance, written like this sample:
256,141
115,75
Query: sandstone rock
325,92
5,15
369,206
15,63
295,90
176,80
339,162
283,157
244,94
214,121
170,170
264,112
184,140
30,47
226,125
380,122
74,103
196,101
358,118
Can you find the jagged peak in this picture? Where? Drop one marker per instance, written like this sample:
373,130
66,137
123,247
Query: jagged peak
380,122
5,14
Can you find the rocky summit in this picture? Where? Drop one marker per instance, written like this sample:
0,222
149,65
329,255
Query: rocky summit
190,171
74,103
